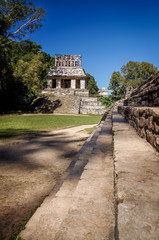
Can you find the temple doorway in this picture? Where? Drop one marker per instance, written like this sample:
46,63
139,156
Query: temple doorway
77,83
54,83
66,83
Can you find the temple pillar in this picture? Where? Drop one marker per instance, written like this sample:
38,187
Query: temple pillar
58,83
82,84
49,83
73,83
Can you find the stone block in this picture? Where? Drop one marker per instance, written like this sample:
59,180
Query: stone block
156,101
156,127
142,122
150,123
142,133
150,137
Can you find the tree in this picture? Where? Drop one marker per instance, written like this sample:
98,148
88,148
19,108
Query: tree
107,101
18,18
91,84
135,73
132,74
33,75
24,50
117,85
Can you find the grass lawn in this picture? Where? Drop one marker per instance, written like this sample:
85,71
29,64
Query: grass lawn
13,125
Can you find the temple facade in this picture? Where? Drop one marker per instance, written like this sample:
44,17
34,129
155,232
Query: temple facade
103,92
67,77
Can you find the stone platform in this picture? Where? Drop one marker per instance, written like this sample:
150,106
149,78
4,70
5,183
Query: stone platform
88,105
110,191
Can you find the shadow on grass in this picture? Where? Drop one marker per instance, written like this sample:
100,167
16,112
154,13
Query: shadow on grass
11,132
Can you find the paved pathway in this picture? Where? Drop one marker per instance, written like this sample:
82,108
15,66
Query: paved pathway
104,195
137,183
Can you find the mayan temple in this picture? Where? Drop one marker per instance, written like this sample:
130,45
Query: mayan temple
67,77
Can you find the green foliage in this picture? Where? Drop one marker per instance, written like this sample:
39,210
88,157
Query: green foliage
15,236
24,50
19,18
32,73
135,73
23,73
117,85
91,85
107,101
89,130
132,74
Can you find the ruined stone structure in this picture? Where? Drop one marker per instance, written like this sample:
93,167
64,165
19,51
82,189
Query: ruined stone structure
67,77
103,92
141,110
146,95
88,105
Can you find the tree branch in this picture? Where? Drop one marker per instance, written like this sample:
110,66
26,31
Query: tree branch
31,20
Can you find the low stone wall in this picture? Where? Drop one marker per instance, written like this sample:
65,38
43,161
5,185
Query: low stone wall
145,121
88,105
146,95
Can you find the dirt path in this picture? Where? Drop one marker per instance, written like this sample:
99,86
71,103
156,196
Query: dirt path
28,171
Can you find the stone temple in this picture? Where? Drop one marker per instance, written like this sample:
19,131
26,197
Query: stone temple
103,92
67,77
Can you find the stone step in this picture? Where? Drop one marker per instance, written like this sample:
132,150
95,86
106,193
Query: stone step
96,107
89,99
91,106
91,214
83,103
67,105
137,183
47,219
92,111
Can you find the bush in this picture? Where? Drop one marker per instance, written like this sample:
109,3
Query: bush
107,101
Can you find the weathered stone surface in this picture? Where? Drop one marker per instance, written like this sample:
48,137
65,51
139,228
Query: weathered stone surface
83,208
137,183
128,92
144,120
67,77
146,95
88,105
91,215
103,92
44,105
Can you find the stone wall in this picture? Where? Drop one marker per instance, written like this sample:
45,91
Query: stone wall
146,95
141,110
88,105
66,91
145,121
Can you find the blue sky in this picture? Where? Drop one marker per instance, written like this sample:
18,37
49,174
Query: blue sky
107,34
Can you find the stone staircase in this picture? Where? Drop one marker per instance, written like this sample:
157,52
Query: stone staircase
67,103
91,105
109,191
79,105
88,105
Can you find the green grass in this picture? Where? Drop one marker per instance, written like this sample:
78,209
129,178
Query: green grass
13,125
90,130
